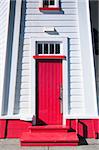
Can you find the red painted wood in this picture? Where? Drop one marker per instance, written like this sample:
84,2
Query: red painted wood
87,128
96,127
2,128
49,83
49,57
49,144
16,127
48,129
49,9
46,138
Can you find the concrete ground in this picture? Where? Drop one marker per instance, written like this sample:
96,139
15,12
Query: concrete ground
14,144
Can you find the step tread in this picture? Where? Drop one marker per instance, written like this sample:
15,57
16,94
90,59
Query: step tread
49,137
52,127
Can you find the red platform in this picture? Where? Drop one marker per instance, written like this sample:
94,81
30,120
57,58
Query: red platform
49,136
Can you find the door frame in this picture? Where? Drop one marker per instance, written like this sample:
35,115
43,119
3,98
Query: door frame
64,40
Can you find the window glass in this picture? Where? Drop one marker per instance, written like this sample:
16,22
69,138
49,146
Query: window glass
48,48
39,48
45,48
51,48
52,2
57,48
45,3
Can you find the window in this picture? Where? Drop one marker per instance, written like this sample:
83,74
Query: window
49,48
47,3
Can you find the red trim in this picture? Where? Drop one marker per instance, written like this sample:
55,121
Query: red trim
49,9
49,57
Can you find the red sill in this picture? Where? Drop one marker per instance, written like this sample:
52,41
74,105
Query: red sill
49,57
49,9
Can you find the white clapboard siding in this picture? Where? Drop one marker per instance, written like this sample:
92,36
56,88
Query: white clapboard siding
77,111
64,5
36,11
58,29
75,79
66,25
50,17
76,86
70,35
51,23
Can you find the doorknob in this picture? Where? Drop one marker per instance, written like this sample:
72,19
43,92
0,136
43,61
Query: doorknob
61,93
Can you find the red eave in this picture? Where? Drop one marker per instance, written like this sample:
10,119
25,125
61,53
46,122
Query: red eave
49,57
49,9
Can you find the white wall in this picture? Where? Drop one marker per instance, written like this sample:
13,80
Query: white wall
67,26
4,19
90,98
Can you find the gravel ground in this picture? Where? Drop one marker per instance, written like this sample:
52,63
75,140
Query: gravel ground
14,144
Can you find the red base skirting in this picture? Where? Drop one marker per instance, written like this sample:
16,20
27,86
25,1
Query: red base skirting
13,128
2,128
87,128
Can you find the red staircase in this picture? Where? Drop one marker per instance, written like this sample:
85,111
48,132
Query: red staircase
50,135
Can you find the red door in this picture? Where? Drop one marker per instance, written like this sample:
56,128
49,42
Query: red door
49,85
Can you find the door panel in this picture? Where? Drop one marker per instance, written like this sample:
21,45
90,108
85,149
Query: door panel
49,84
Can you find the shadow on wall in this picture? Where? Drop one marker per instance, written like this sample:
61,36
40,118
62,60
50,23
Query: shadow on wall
94,14
20,54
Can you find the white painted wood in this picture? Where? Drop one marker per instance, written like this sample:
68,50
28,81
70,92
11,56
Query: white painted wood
65,83
4,21
65,30
87,59
71,35
75,91
48,23
51,17
63,5
14,58
70,11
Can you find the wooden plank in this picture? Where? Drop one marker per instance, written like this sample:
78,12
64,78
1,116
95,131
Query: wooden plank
48,23
50,17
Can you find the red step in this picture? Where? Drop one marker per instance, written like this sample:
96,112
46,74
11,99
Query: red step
49,136
48,128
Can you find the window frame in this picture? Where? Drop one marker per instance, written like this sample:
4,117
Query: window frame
49,43
56,5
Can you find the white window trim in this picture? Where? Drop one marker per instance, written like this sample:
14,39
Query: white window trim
50,6
65,74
